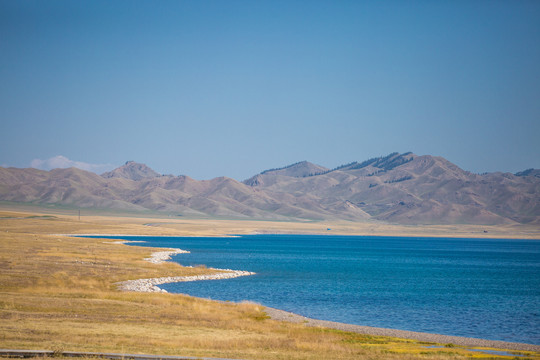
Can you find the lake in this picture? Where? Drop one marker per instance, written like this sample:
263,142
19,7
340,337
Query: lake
483,288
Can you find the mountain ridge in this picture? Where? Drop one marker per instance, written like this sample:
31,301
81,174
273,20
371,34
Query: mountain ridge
133,171
399,188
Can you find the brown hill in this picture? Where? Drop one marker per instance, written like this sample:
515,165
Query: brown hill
133,171
400,188
410,189
298,170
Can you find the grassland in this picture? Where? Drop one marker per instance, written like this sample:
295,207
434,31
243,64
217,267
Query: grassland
59,293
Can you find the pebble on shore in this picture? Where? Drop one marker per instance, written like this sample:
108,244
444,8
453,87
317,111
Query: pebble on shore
162,256
150,285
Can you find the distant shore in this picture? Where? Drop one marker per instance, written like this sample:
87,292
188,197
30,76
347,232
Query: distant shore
150,285
133,223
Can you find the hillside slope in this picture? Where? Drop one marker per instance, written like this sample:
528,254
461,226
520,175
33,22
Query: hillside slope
411,189
399,188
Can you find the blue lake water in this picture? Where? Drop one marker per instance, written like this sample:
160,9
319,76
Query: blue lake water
482,288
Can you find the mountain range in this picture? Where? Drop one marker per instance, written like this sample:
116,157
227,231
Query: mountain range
398,188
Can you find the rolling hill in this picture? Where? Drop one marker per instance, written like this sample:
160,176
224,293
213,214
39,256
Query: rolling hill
399,188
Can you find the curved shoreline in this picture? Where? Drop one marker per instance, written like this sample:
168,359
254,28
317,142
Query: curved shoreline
161,256
150,285
282,315
158,257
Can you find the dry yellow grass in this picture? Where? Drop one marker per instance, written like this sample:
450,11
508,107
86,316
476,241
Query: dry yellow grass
58,293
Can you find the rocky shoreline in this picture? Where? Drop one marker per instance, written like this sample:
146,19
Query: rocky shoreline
161,256
150,285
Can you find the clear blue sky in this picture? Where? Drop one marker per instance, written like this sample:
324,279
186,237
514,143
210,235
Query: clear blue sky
230,88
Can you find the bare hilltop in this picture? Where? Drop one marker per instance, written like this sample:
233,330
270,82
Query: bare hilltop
398,188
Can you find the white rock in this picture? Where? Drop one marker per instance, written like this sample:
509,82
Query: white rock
149,285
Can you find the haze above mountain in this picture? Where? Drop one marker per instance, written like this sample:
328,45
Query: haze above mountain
398,188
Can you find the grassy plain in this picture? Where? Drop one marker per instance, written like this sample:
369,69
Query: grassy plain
59,293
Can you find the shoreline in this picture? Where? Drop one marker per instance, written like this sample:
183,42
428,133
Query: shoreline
282,315
434,236
150,285
159,257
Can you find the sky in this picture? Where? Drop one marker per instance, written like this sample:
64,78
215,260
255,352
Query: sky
231,88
